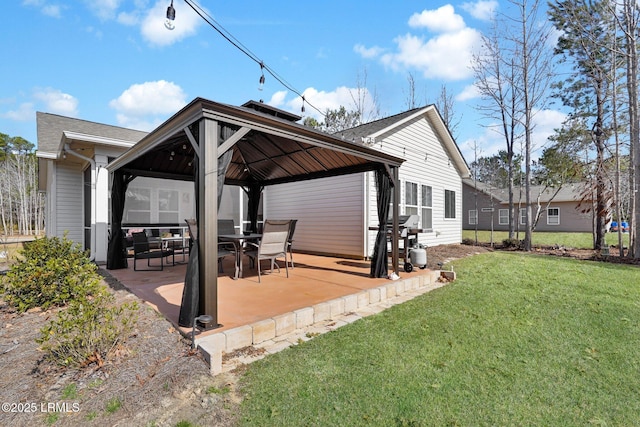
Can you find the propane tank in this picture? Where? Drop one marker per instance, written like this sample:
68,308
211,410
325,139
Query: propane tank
418,256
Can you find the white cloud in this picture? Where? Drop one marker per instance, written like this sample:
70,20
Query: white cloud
447,56
103,9
53,10
154,31
144,106
483,10
57,102
128,18
341,96
492,140
467,93
441,20
25,112
367,52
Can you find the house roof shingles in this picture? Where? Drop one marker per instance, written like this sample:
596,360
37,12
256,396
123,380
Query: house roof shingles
51,128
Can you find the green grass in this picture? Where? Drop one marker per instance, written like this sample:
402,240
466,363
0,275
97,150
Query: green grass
571,240
517,340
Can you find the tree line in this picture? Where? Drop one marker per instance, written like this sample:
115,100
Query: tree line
21,205
583,55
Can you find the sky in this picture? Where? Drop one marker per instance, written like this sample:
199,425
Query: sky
114,62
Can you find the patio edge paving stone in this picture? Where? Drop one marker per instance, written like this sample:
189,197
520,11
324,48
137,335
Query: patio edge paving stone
303,324
263,330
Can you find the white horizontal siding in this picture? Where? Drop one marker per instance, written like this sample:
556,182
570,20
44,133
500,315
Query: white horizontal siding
68,202
330,213
426,163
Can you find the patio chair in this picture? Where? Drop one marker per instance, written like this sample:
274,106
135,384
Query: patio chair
292,229
142,250
273,244
223,248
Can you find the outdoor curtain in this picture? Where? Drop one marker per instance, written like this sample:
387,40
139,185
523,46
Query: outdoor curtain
379,261
253,192
189,307
117,249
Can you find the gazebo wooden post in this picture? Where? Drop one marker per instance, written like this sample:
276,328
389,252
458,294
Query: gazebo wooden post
208,219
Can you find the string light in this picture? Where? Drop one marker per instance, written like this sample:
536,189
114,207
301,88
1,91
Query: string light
238,45
261,76
171,16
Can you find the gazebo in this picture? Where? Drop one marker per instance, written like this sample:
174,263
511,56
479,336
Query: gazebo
252,146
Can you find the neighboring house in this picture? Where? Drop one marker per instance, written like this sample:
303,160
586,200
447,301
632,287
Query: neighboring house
335,214
487,208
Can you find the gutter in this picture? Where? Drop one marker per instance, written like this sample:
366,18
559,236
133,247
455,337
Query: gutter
94,178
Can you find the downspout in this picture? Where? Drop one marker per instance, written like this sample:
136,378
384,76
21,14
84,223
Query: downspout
94,178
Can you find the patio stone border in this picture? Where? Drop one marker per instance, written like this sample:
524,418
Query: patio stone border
229,349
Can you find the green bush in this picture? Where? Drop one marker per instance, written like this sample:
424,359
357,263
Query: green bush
511,243
88,329
50,272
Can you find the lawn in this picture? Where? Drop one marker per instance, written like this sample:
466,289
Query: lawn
518,339
570,240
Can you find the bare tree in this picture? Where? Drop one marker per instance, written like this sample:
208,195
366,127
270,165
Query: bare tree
446,106
496,79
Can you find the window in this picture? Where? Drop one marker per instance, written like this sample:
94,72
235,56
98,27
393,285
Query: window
410,198
503,216
473,217
138,205
553,216
449,204
168,206
523,216
426,207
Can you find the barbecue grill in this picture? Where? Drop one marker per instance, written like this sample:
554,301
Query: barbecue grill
408,231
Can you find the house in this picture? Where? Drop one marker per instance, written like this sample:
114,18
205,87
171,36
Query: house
336,215
562,210
72,156
261,150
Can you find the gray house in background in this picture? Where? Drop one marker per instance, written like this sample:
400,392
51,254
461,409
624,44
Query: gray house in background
487,208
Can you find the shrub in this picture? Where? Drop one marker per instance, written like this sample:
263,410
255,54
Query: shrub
88,329
511,243
50,272
468,242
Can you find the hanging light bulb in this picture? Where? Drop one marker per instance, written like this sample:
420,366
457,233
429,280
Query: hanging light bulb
261,77
171,16
302,109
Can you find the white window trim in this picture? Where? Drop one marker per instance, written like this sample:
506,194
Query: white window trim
473,217
424,207
553,216
522,216
455,203
500,221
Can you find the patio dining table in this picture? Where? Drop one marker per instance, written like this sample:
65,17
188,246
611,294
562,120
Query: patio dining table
238,242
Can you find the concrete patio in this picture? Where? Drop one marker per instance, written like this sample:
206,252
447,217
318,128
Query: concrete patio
321,293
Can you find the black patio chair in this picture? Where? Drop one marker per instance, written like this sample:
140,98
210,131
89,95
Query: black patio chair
142,250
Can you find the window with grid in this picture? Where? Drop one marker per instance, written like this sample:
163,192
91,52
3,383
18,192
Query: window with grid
503,216
168,206
426,207
410,198
553,216
138,205
473,217
523,216
449,204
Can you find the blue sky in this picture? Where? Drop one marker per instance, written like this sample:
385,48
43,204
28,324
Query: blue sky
114,62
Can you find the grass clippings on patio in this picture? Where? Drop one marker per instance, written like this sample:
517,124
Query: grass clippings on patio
516,340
